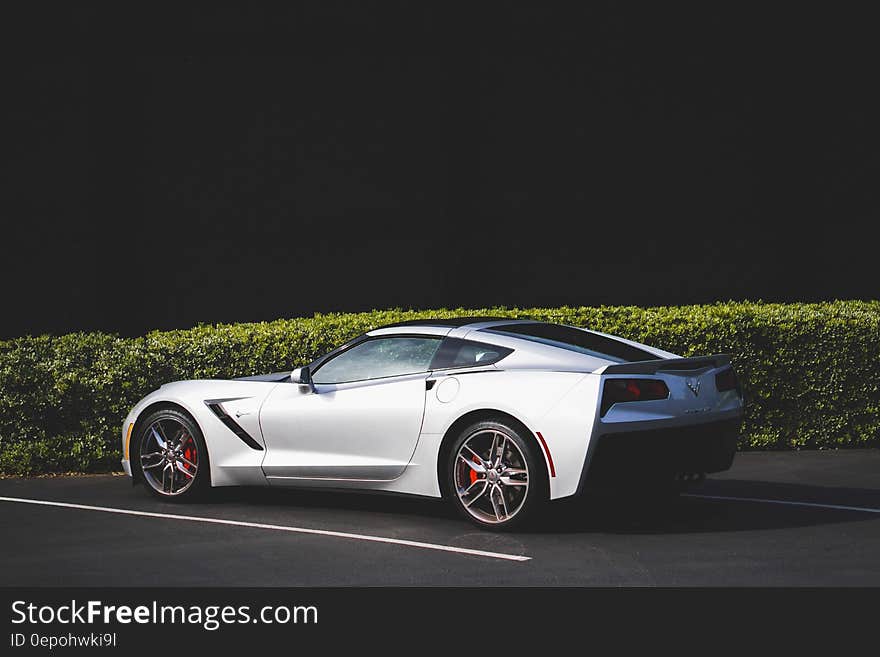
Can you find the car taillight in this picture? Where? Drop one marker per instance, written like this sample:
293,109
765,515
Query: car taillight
627,390
726,380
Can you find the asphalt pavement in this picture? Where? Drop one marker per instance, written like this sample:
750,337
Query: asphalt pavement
776,518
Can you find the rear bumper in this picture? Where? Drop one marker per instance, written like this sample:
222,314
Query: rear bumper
663,453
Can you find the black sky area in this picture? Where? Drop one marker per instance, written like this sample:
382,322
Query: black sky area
245,169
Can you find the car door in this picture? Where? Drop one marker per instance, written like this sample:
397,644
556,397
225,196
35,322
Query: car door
361,420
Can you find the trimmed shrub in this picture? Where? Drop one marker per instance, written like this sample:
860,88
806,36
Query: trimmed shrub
810,372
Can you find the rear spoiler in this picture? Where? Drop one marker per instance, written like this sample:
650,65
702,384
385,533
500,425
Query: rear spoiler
669,364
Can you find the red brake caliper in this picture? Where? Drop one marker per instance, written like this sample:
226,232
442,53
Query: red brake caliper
189,454
474,472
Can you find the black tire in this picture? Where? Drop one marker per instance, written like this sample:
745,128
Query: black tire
169,417
536,492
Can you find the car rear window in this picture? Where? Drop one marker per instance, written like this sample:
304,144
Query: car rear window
568,337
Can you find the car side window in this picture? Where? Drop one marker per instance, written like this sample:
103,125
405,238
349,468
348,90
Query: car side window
456,352
379,358
472,355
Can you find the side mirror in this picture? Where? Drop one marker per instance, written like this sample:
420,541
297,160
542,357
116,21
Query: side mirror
302,376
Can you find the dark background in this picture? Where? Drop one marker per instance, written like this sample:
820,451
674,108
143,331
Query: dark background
219,165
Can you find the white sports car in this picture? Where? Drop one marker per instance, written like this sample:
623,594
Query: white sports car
497,415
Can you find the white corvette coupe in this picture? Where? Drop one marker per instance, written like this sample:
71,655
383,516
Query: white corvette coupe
497,415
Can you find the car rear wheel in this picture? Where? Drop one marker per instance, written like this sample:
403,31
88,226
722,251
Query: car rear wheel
171,456
495,476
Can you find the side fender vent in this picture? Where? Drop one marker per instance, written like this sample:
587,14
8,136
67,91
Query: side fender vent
233,426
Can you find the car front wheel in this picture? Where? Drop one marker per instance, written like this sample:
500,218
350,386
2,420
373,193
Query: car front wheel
172,457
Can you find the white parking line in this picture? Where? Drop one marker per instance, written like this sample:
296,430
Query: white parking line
280,528
837,507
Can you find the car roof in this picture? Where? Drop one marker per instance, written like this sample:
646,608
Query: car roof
452,321
532,345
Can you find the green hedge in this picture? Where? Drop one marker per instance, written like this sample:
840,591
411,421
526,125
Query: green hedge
810,371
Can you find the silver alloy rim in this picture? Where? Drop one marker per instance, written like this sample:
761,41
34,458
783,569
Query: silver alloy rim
169,457
491,476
